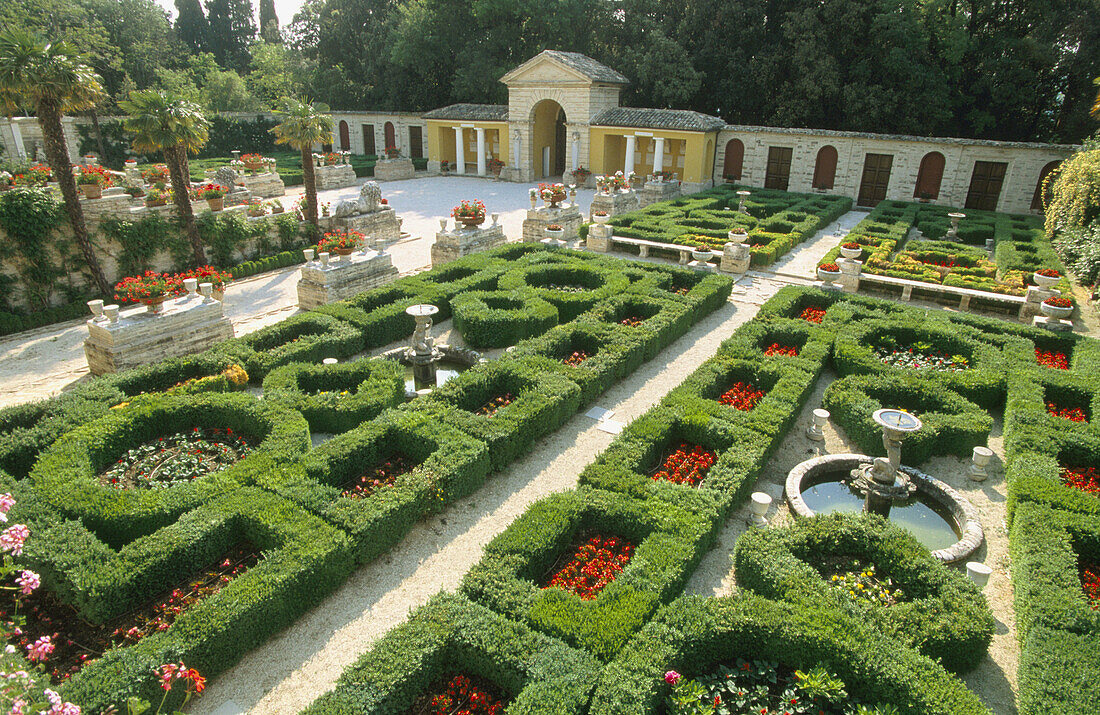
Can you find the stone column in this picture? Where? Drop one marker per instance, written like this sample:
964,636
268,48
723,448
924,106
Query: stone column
17,137
658,154
575,158
517,141
628,164
480,151
460,152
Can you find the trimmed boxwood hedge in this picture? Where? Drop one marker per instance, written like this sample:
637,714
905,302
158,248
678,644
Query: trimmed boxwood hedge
663,319
450,465
372,386
670,540
595,283
752,339
1029,392
693,634
304,560
497,319
952,423
305,337
943,615
379,314
67,474
451,635
543,402
1034,469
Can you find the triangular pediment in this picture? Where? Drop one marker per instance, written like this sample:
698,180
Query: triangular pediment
554,67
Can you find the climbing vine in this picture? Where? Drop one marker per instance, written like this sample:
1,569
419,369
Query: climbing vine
45,260
140,241
1075,191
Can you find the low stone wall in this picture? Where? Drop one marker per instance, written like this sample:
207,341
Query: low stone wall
343,277
394,169
568,217
336,176
656,191
616,203
450,245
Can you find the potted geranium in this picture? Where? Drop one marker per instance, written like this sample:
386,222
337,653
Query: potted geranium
393,152
152,289
35,175
1057,307
158,174
701,252
93,179
340,242
205,274
256,208
332,158
828,272
156,197
738,235
444,166
253,162
554,232
601,217
1046,278
851,249
214,194
469,213
618,182
135,192
580,175
495,166
276,206
662,176
552,194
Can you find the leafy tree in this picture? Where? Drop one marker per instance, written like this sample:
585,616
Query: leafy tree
226,91
52,79
278,71
174,126
191,25
269,21
232,30
303,125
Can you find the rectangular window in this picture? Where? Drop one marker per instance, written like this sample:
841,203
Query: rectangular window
368,140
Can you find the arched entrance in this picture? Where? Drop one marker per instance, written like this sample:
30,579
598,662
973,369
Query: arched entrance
825,167
548,139
391,138
735,157
345,136
1042,193
929,176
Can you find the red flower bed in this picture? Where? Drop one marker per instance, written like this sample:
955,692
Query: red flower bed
777,349
1073,414
381,475
742,396
576,358
1051,358
591,565
679,290
1087,479
78,642
490,408
460,695
813,314
1090,582
632,322
688,464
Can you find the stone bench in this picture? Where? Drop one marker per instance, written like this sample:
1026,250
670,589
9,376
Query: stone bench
965,295
603,243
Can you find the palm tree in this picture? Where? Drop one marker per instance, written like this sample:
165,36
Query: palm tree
305,124
174,126
52,79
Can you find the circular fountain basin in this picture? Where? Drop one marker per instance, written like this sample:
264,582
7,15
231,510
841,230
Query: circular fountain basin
937,515
452,362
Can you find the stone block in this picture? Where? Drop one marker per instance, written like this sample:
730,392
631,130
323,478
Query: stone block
336,176
394,169
568,217
1055,324
614,204
382,225
656,191
450,245
599,238
343,278
184,326
264,186
735,258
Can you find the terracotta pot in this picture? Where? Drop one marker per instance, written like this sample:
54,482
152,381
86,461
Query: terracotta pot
92,191
216,204
472,221
254,166
159,202
342,251
156,305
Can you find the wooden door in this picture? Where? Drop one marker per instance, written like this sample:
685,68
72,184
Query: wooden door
985,185
778,175
345,136
735,158
876,179
825,168
391,137
368,140
930,176
416,142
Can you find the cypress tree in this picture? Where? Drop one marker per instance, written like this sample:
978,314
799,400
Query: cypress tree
191,25
232,29
269,22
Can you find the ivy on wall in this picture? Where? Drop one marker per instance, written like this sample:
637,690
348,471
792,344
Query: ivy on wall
45,260
142,240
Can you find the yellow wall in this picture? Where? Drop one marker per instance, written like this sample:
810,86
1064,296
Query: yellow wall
608,147
441,142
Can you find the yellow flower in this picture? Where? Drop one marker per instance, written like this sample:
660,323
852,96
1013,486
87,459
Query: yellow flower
835,577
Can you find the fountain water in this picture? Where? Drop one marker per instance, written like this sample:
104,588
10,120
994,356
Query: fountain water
882,483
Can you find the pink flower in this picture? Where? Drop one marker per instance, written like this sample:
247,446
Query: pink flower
12,538
41,648
29,581
7,501
19,707
672,677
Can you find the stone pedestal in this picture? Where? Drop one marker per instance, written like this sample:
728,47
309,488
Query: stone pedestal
343,278
450,245
184,326
394,169
1035,296
264,186
599,238
336,176
568,217
615,203
655,191
382,225
133,176
850,270
1056,324
735,258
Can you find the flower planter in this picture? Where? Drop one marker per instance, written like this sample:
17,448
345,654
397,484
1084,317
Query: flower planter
601,220
254,166
702,256
156,305
92,191
472,221
1045,282
340,251
827,277
1055,311
158,202
216,204
851,253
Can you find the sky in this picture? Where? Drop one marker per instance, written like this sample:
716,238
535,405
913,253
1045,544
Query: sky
284,9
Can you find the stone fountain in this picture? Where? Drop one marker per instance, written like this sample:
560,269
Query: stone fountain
422,353
882,482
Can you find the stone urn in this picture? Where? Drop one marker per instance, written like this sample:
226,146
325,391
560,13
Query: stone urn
1058,312
472,222
851,253
601,217
554,233
1045,282
702,255
738,235
827,274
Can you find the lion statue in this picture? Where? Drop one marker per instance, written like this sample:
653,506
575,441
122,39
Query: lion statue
227,177
369,201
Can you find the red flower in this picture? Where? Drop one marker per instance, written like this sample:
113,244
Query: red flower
687,465
742,396
593,566
1073,414
1051,358
1087,479
576,358
1090,582
777,349
813,314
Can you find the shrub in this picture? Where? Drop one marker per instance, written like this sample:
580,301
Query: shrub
657,321
306,337
572,287
497,319
943,615
337,398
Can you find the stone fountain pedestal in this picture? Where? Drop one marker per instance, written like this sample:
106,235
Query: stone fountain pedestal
568,217
736,258
394,169
183,326
340,279
462,241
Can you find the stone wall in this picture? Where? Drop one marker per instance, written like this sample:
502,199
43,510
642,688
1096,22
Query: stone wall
401,121
1025,162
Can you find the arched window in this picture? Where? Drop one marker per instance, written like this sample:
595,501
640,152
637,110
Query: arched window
1041,197
735,158
929,176
825,168
345,136
391,139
